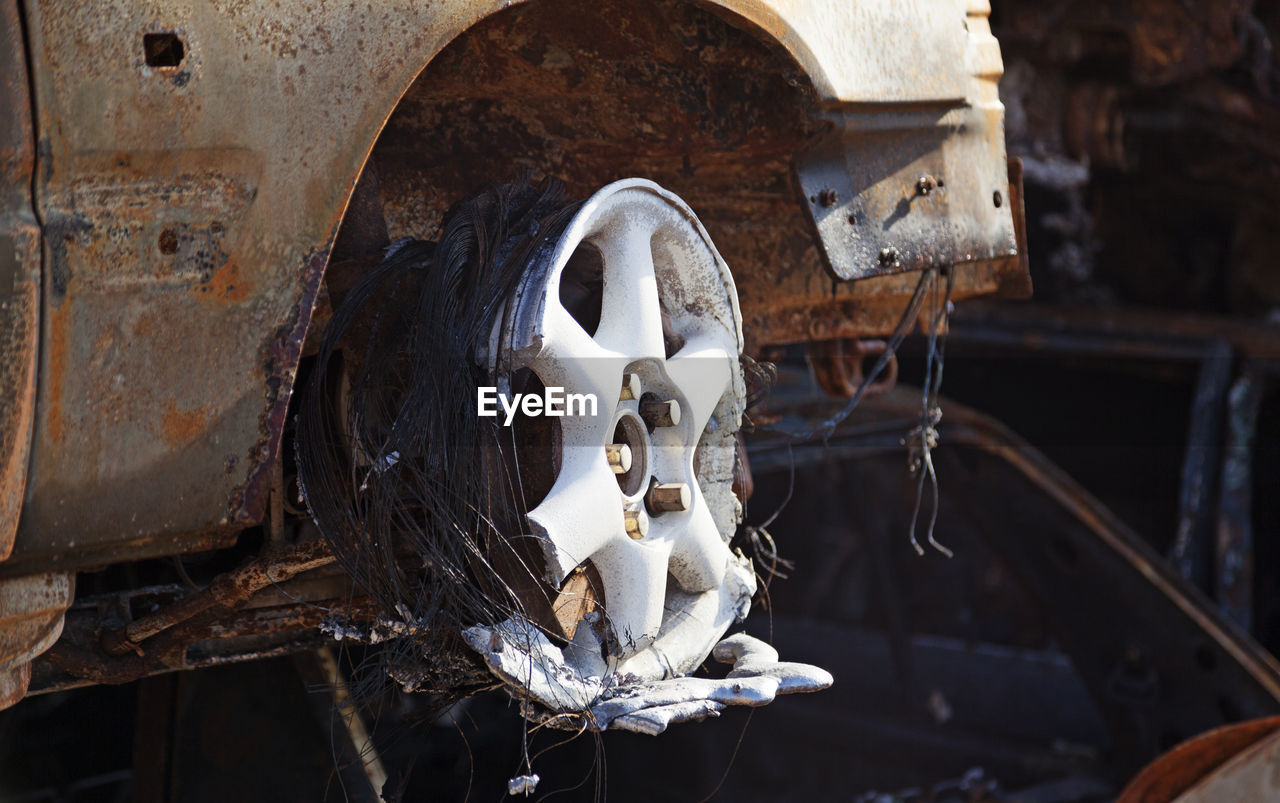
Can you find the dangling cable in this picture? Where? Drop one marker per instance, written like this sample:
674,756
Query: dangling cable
921,440
900,332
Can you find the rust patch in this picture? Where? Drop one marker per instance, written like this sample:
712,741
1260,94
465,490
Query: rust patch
226,285
59,321
168,242
1187,764
667,91
183,426
279,364
145,325
713,113
20,291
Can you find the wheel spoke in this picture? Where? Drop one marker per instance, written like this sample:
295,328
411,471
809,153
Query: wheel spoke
699,555
630,313
571,360
634,574
581,514
703,370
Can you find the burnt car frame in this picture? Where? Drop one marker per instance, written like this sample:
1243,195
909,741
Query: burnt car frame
177,181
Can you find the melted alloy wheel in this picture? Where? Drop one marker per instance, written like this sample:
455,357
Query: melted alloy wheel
644,488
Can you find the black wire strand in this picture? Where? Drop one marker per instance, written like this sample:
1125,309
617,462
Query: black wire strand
393,462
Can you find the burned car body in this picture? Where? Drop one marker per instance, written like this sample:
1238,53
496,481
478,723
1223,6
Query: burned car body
191,193
170,316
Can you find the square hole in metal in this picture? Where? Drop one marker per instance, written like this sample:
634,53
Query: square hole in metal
163,49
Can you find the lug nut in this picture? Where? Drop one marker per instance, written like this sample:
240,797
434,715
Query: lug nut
660,413
619,455
636,522
668,497
630,387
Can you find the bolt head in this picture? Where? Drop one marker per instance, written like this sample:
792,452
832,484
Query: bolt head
636,523
658,413
619,455
668,497
630,387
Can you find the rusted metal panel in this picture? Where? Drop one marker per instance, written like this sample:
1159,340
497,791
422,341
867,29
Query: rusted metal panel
188,211
900,188
797,310
19,275
189,206
702,107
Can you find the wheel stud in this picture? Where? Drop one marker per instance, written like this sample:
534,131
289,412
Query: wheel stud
630,387
660,413
619,455
637,523
668,497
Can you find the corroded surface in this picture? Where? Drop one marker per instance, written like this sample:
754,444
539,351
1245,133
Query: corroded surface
188,210
271,606
31,610
1186,765
718,115
896,188
19,275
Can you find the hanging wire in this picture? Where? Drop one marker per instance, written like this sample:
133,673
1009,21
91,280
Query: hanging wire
396,468
903,328
921,440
